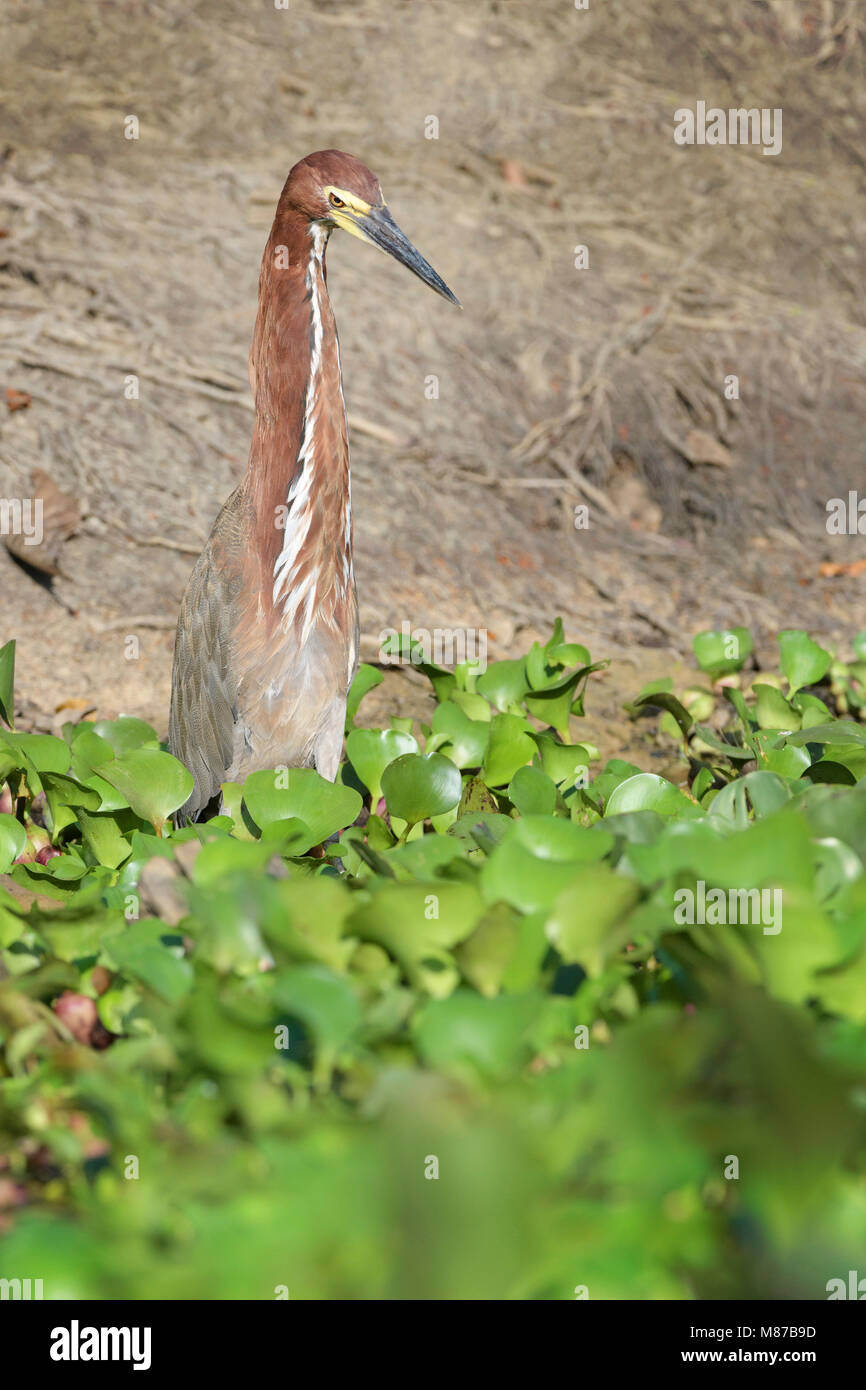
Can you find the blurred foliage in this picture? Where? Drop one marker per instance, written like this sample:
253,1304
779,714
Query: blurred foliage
435,1031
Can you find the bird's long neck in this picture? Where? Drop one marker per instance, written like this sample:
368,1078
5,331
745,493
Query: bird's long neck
298,473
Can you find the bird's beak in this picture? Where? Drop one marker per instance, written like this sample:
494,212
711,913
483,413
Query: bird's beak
379,227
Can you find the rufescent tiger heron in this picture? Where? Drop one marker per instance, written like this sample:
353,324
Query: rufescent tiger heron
267,638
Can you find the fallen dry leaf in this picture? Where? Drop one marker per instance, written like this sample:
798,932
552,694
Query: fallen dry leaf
701,447
830,570
17,400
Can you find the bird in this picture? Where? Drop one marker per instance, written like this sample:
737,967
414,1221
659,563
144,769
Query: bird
267,637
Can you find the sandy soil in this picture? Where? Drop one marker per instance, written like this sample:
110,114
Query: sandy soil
558,387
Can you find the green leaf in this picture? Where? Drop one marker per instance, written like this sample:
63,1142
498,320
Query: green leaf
366,679
663,700
419,785
723,651
7,684
104,838
13,838
648,792
772,710
490,1035
418,924
326,1003
126,733
561,761
371,750
536,858
141,951
803,661
44,752
504,684
464,740
553,704
484,957
511,746
532,792
153,782
301,793
586,921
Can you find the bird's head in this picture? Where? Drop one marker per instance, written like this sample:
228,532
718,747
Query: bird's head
337,190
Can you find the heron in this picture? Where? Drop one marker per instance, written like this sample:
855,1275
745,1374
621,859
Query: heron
267,638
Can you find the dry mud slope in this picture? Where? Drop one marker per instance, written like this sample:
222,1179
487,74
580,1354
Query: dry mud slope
558,387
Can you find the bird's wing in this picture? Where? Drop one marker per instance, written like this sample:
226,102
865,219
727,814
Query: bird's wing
203,689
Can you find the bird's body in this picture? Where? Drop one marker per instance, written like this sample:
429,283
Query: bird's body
267,638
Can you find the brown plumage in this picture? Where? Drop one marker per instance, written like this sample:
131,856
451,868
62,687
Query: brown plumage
267,638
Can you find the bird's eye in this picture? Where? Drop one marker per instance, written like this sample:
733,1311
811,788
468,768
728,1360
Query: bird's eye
335,201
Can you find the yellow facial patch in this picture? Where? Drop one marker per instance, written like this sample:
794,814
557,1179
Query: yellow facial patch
353,208
352,202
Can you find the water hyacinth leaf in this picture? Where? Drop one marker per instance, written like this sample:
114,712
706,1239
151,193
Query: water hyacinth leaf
476,797
418,785
472,704
711,740
842,731
153,782
65,796
723,651
511,746
536,858
829,772
126,733
232,794
104,838
532,792
7,684
504,684
664,683
88,751
664,700
149,951
563,762
649,792
408,650
588,921
484,957
366,679
44,752
773,711
371,750
326,1003
13,838
464,740
765,791
418,925
802,660
567,653
544,665
553,703
306,920
735,698
301,793
789,761
422,859
489,1035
